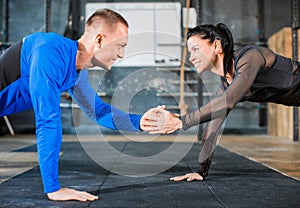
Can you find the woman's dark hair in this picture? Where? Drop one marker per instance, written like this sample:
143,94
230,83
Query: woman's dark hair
219,32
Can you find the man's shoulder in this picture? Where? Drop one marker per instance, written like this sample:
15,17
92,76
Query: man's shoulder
49,41
44,36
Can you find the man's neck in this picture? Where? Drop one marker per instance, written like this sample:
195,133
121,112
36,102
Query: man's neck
83,57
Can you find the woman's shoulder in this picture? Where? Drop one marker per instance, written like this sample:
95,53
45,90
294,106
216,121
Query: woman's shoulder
250,48
253,51
256,54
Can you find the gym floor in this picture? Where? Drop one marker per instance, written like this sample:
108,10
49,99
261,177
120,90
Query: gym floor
247,171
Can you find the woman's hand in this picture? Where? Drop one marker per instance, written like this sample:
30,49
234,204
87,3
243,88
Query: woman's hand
188,177
66,194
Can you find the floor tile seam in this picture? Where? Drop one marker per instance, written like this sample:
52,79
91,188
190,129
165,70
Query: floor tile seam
215,195
206,185
106,177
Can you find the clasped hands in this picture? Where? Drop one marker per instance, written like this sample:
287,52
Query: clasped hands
160,121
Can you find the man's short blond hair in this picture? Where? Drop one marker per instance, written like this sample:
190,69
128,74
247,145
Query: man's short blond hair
109,17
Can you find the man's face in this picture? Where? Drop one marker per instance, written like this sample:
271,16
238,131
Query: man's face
112,47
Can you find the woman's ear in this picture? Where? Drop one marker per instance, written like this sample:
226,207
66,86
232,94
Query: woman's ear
218,47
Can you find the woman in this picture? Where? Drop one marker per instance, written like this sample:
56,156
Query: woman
251,73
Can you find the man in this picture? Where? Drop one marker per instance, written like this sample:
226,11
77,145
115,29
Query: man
34,72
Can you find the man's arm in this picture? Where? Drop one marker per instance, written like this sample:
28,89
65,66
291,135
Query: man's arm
45,95
100,112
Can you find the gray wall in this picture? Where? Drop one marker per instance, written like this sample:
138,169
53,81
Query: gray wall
241,17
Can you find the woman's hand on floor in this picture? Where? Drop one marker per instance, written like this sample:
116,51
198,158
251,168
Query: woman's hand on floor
188,177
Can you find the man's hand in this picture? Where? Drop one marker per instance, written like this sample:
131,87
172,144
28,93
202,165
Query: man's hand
188,177
158,120
66,194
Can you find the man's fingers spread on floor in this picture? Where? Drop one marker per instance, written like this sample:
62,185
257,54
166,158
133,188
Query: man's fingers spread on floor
83,199
92,197
89,196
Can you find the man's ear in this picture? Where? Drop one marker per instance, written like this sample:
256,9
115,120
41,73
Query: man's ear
218,47
98,40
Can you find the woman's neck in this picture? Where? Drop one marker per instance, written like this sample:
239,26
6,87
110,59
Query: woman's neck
230,74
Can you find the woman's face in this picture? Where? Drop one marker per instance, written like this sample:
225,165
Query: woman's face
202,53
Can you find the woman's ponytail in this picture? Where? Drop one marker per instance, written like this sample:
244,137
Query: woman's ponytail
228,45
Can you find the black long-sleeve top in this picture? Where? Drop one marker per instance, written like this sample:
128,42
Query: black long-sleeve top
260,76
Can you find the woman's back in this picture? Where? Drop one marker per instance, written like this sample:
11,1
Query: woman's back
277,80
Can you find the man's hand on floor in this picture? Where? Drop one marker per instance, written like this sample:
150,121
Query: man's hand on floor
66,194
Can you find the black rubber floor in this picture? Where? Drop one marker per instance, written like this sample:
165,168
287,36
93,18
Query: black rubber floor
234,181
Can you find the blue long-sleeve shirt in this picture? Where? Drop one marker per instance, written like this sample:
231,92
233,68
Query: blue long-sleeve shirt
48,68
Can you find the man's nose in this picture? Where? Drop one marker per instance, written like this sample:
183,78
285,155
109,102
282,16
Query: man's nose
121,53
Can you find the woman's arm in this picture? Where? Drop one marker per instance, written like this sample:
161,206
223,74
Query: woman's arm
210,140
